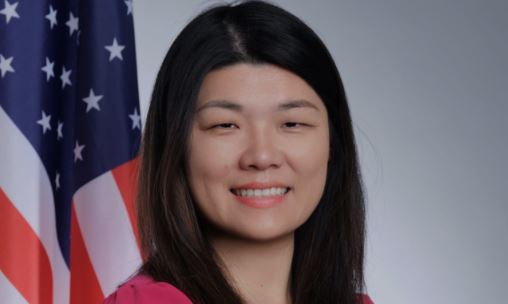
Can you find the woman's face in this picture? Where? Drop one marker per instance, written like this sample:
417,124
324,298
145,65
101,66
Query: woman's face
258,151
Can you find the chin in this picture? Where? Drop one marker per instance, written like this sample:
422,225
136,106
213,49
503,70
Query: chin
261,234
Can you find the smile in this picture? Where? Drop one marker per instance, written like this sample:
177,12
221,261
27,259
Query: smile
267,192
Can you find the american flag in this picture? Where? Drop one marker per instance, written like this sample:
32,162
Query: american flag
69,135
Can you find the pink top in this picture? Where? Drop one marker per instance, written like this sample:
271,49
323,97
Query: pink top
142,289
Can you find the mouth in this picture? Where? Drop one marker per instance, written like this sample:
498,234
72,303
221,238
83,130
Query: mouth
260,192
260,195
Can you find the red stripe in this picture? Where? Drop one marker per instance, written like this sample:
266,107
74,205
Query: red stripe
125,177
84,283
23,259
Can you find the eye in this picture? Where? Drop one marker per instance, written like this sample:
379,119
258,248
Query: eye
224,126
292,124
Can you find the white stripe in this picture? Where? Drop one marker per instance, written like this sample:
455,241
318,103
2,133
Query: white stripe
107,231
9,293
25,181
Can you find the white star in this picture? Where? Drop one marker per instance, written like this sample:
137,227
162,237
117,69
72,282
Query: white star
77,151
115,50
57,180
92,101
44,122
59,130
129,6
136,119
5,65
51,16
72,23
48,69
9,11
65,77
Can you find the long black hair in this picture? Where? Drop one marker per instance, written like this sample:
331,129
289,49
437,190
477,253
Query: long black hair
328,258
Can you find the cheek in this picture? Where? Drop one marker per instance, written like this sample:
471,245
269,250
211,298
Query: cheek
310,155
209,164
309,160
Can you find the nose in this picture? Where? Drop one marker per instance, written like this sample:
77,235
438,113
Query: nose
262,152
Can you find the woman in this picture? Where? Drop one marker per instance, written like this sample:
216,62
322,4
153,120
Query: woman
249,187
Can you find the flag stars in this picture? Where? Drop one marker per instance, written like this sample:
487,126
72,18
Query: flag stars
92,101
136,120
115,50
128,3
59,130
78,149
9,11
72,23
48,69
57,181
44,122
65,77
5,65
51,16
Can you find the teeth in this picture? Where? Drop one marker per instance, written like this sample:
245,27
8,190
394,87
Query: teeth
260,192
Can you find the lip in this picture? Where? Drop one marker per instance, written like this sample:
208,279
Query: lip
261,202
256,185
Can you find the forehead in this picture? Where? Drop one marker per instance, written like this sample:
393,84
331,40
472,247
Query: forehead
255,85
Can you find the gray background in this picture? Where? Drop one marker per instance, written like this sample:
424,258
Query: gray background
427,85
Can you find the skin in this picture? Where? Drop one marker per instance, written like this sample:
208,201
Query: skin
242,133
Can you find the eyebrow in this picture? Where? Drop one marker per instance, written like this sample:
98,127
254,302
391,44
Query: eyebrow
230,105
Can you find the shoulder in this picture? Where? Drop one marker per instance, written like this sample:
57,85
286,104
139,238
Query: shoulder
365,299
143,289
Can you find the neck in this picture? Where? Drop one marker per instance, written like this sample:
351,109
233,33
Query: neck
259,270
